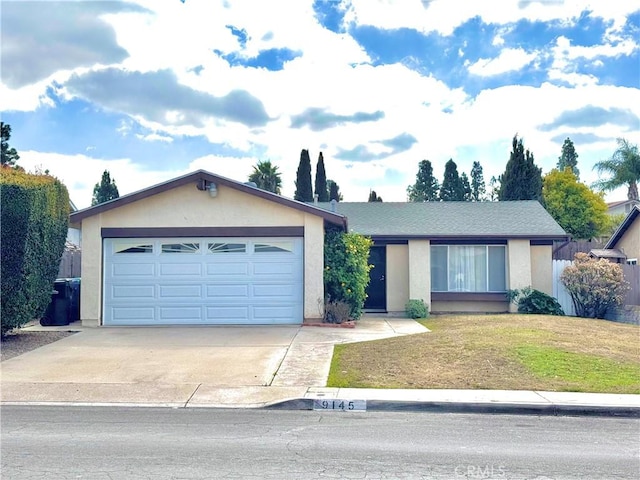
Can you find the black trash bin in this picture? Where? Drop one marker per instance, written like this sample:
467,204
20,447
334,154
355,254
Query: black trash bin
73,285
57,312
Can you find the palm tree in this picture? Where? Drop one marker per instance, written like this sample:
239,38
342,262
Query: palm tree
624,167
266,176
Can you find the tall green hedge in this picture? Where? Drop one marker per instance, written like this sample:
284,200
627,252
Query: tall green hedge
34,220
346,269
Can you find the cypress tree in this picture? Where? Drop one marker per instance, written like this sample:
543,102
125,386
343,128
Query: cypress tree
334,191
321,181
569,158
478,188
105,190
521,180
426,187
452,188
304,189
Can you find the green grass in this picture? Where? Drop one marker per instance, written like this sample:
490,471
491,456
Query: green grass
583,373
503,351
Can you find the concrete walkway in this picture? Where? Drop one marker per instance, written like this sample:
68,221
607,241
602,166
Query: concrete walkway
249,367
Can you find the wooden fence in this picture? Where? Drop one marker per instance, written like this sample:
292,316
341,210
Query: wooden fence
70,264
568,250
631,275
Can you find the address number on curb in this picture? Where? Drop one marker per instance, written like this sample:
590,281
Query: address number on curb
342,405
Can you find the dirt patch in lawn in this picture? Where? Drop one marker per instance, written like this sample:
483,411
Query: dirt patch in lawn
512,352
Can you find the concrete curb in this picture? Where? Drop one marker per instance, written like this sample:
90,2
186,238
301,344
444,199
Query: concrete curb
476,407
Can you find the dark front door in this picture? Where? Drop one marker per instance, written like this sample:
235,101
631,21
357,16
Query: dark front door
377,289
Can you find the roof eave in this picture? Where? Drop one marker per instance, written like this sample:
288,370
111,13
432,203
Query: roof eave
621,230
77,217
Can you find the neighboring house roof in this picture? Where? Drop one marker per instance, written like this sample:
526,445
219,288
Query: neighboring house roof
626,223
199,178
516,219
607,253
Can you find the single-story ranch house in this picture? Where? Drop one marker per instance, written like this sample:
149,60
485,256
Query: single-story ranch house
203,249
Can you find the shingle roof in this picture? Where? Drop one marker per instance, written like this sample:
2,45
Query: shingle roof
607,253
450,219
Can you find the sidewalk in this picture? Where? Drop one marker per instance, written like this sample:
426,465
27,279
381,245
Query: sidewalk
302,398
154,367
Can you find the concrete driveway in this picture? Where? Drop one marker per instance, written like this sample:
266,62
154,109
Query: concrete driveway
185,365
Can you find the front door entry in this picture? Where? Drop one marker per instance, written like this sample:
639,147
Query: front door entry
377,289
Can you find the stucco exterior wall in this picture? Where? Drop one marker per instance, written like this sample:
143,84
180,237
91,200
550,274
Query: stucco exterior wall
420,270
313,267
186,206
470,307
397,277
629,243
542,268
519,266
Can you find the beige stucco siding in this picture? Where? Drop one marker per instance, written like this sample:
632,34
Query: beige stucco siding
186,206
313,267
542,268
519,265
397,277
629,243
420,270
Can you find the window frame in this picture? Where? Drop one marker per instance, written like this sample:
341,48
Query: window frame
488,270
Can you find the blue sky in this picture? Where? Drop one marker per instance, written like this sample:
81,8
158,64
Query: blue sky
151,90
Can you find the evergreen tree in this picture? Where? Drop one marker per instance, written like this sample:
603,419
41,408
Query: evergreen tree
495,184
334,191
521,180
426,187
466,187
373,196
452,188
569,158
9,155
478,190
267,177
321,181
304,188
105,190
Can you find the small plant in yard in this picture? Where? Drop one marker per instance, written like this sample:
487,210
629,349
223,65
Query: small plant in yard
594,285
336,312
416,309
346,269
530,300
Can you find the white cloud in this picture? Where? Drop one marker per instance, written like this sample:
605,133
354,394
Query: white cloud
154,137
510,59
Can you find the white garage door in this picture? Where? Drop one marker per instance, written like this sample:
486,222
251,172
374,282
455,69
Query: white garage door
203,281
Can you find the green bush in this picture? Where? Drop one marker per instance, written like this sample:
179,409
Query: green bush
530,300
34,218
346,269
416,309
594,285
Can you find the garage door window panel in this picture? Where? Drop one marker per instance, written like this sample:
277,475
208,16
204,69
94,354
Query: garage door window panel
180,247
273,247
227,248
132,247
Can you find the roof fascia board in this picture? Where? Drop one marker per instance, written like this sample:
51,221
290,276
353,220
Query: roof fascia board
335,218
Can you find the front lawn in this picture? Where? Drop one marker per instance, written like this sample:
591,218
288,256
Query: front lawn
506,352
